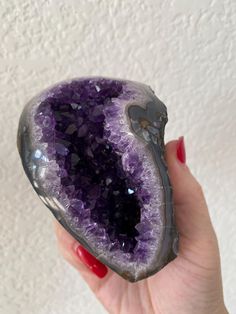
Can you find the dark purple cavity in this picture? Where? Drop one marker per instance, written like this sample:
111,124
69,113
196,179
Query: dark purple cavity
72,121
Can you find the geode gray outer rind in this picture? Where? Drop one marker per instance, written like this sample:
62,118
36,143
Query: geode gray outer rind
133,122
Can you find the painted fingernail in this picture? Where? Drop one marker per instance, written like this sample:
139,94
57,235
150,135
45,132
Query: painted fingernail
91,262
181,155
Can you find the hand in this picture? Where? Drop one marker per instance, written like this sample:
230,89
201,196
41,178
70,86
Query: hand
189,284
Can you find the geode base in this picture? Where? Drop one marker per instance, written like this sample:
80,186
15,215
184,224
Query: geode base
93,149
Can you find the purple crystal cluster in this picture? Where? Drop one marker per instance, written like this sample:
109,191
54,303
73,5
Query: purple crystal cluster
91,172
93,150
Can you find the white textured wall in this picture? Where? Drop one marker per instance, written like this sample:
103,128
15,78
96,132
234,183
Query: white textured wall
185,49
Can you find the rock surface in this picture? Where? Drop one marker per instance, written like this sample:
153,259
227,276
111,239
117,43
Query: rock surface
93,151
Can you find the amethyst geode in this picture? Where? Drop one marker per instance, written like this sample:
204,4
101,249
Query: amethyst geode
93,149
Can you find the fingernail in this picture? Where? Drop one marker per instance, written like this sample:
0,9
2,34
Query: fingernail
181,155
91,262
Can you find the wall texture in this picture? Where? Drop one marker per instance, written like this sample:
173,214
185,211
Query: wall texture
184,49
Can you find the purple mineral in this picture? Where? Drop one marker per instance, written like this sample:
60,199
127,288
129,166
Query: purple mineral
93,149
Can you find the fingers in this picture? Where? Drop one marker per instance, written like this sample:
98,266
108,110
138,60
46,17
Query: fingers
191,212
90,268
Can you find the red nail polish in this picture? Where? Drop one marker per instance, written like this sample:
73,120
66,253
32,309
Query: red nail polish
91,262
181,155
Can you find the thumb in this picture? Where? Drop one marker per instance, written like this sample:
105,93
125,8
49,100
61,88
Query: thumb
191,212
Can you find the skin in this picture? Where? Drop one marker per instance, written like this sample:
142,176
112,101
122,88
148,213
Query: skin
189,284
